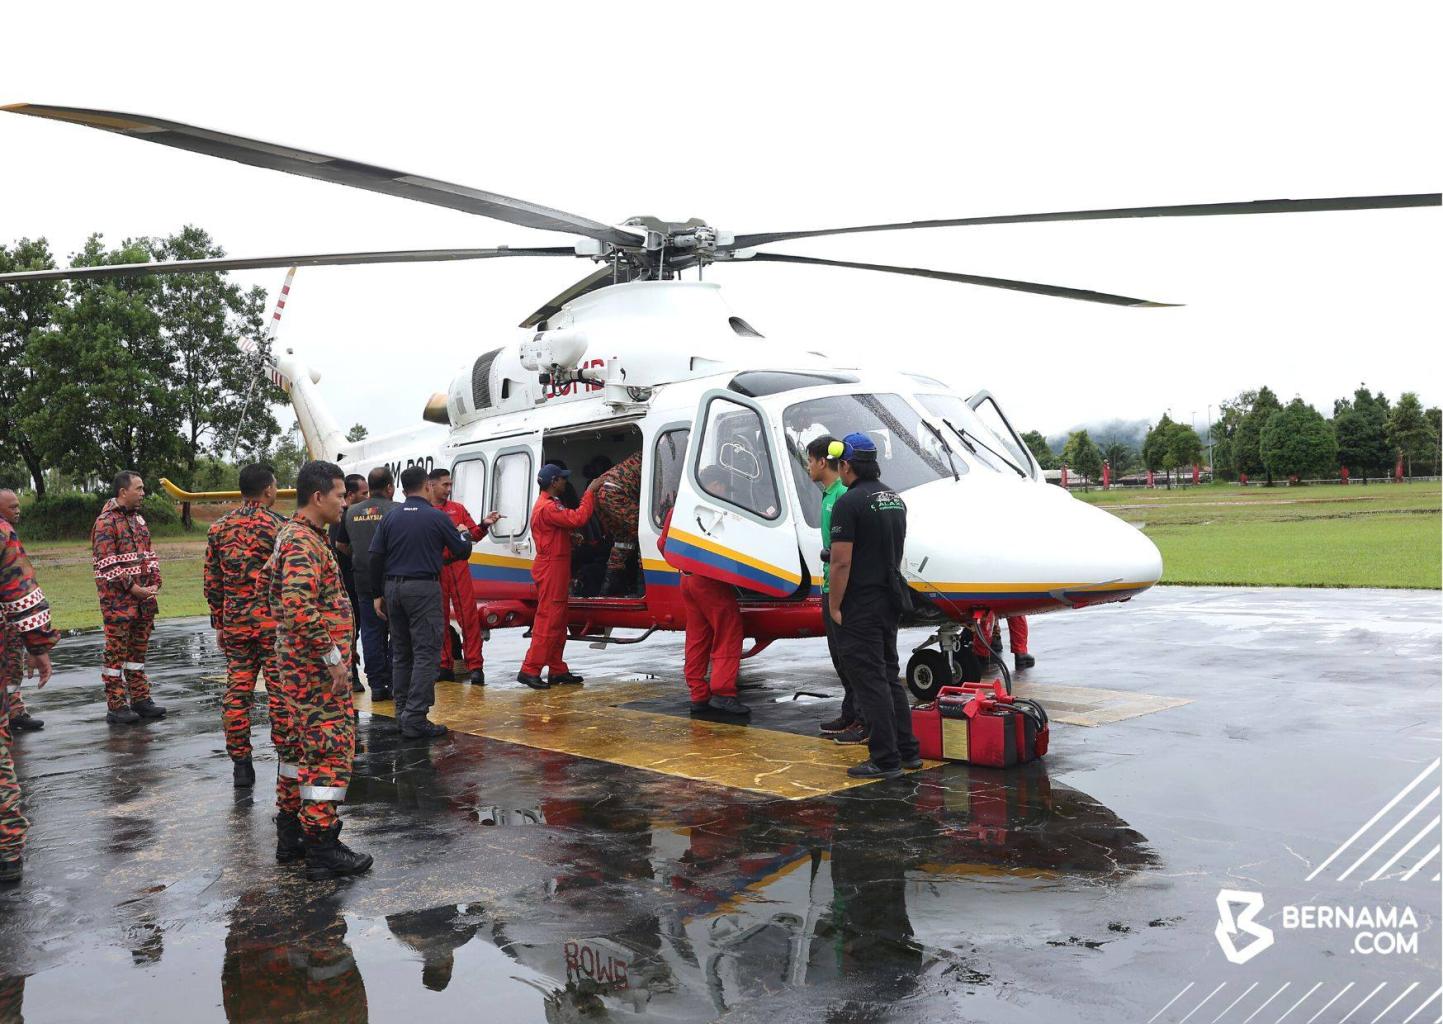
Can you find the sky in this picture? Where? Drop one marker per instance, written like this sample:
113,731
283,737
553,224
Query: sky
763,116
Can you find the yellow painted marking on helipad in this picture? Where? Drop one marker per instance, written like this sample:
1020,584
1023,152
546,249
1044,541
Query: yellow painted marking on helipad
1090,706
571,720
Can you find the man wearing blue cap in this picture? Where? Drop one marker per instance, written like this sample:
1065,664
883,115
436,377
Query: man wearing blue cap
865,599
552,524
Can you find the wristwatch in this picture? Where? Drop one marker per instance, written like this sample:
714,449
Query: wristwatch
333,657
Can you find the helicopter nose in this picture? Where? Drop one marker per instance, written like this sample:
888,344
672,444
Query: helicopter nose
1023,541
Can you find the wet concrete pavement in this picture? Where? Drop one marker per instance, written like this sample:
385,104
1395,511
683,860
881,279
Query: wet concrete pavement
518,882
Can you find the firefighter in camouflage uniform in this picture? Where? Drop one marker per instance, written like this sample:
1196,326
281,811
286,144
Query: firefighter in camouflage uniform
237,547
26,615
12,660
314,638
127,575
619,502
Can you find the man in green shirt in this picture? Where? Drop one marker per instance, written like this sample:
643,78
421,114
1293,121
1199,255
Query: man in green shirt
822,468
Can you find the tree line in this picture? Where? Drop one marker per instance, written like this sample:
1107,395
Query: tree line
1257,436
137,372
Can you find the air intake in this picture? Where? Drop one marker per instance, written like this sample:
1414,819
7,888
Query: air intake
481,380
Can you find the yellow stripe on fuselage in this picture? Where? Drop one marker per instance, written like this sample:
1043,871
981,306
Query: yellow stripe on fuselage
715,548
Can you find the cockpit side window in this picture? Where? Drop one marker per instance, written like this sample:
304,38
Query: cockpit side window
909,453
732,462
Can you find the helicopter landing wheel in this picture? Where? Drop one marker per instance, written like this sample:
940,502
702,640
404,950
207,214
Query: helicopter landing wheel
927,673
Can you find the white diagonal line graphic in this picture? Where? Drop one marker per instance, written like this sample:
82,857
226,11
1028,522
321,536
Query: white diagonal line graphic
1426,858
1428,830
1329,1003
1266,1002
1370,995
1235,1002
1375,818
1299,1002
1174,999
1394,1003
1420,1009
1392,832
1199,1006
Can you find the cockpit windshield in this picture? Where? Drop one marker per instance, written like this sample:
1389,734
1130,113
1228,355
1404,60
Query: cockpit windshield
910,453
991,449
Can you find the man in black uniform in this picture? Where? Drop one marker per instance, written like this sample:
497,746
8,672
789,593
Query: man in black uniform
353,535
356,490
406,569
865,600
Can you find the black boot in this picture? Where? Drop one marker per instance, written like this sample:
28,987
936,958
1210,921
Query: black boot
27,723
245,773
328,857
478,678
290,847
147,708
11,870
122,715
1023,661
446,675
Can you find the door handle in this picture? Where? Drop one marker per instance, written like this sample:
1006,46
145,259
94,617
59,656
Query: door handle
716,518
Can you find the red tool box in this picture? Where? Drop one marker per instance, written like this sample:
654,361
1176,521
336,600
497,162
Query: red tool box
981,723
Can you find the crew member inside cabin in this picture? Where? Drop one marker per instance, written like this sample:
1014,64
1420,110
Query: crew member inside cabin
354,534
458,599
406,569
127,577
552,524
619,502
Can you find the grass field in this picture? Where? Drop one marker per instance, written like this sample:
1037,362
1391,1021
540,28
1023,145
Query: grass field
1382,535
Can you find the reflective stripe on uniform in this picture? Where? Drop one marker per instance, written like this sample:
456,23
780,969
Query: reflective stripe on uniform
319,793
135,666
288,771
110,672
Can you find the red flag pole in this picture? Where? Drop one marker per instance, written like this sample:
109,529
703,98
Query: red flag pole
1064,476
1106,474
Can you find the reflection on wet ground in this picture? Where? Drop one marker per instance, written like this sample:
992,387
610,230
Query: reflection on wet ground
518,883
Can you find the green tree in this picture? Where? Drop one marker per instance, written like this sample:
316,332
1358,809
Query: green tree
101,397
26,311
1224,434
357,433
1082,455
1361,425
1182,448
1247,442
1435,427
224,395
288,456
1299,442
1154,446
1409,432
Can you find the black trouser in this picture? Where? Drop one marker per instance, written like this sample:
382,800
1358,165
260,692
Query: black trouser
849,693
867,639
349,579
414,610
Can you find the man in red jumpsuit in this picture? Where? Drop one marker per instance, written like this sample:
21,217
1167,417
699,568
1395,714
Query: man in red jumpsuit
551,526
1016,639
713,630
458,600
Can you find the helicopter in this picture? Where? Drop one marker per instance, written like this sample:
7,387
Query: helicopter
631,358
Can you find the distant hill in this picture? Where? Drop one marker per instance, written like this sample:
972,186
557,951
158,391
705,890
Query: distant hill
1103,432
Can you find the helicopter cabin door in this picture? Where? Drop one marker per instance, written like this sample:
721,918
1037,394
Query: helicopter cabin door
730,521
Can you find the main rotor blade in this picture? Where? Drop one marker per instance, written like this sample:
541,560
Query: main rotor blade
589,283
943,275
329,168
262,262
1189,210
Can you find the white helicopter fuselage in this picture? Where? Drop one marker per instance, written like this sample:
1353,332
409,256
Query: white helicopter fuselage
668,369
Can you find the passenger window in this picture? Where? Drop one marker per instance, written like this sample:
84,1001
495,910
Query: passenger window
733,464
468,479
512,487
666,471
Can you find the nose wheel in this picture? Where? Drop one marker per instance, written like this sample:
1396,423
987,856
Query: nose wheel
951,663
